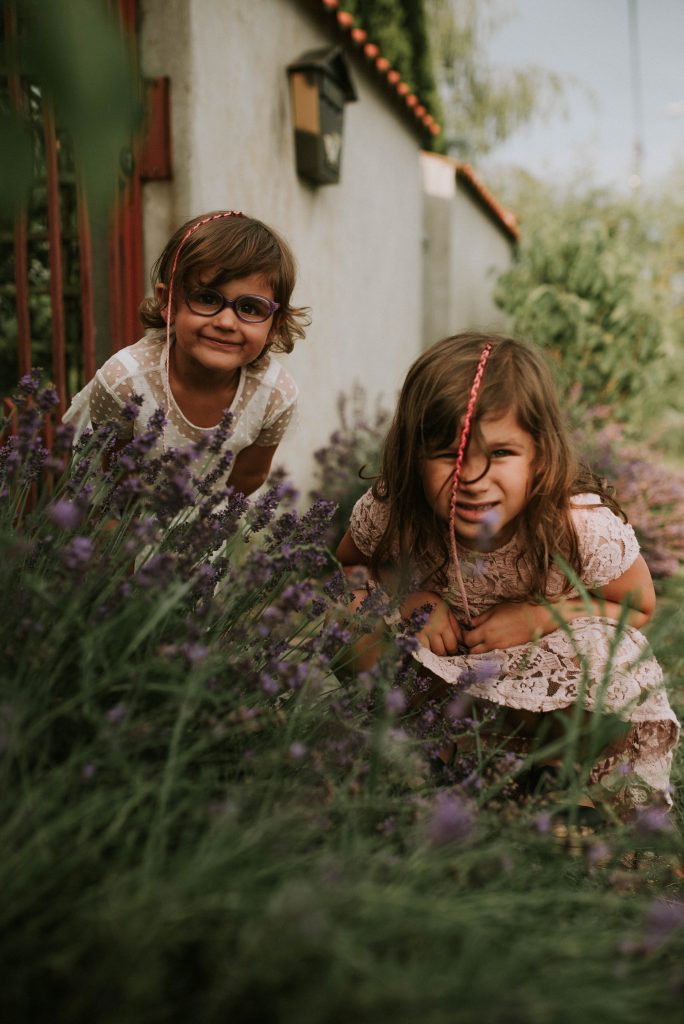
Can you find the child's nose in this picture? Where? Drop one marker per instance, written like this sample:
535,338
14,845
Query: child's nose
474,465
226,317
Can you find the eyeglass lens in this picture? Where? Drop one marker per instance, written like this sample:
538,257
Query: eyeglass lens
251,308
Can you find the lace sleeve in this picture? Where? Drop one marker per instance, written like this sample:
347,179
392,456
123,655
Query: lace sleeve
608,546
368,521
280,411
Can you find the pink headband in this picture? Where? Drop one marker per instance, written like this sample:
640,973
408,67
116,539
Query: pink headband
460,454
191,230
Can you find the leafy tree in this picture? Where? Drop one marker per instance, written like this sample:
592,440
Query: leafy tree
482,105
583,287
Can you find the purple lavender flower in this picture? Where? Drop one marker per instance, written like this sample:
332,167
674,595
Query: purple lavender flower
451,821
131,409
193,652
157,421
116,714
543,822
221,433
395,701
78,552
480,673
30,382
297,751
65,514
262,510
598,853
664,917
488,527
457,708
406,644
269,684
333,636
47,398
652,819
155,571
336,586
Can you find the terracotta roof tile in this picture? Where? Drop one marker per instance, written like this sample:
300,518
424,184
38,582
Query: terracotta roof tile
416,111
506,217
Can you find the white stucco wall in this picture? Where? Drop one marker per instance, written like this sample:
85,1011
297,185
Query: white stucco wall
465,251
358,243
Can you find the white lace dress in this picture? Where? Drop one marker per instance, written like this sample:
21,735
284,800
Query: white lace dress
550,674
263,406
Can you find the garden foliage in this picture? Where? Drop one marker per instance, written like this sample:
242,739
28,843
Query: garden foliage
483,105
576,288
203,818
649,490
347,465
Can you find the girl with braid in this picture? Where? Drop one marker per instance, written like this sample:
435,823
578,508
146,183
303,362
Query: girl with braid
536,588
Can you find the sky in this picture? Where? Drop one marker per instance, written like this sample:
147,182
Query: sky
589,40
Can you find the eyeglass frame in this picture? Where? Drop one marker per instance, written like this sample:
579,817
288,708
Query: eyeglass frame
232,303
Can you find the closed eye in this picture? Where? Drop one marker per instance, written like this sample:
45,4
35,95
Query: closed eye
449,454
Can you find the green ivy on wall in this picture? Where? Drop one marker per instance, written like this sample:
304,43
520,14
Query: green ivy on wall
399,28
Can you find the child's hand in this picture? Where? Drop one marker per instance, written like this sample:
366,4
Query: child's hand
504,625
441,633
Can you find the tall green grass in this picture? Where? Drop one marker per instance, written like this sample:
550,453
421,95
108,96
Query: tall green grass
199,822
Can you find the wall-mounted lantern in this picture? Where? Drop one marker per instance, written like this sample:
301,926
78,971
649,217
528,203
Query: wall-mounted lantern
321,85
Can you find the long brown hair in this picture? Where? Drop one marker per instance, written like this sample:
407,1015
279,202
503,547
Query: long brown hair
428,417
239,246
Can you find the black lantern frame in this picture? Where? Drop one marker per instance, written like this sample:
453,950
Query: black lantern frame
321,85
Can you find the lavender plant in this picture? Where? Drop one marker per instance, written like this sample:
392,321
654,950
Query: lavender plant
650,491
200,820
347,464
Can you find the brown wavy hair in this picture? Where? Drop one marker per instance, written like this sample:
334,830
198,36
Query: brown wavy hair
429,413
239,246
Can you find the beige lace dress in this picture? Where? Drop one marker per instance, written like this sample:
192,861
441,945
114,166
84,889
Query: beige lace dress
610,669
263,406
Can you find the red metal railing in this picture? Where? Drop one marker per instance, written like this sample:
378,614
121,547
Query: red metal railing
55,256
20,228
63,337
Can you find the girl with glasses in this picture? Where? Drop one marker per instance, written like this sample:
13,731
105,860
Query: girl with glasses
221,305
535,586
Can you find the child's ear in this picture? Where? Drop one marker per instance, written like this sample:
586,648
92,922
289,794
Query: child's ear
160,294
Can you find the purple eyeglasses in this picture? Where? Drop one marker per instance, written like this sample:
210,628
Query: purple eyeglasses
251,309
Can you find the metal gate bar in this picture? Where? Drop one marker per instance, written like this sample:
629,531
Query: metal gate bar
20,226
55,250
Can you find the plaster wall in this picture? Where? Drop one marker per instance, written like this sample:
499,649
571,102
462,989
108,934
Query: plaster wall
465,251
358,243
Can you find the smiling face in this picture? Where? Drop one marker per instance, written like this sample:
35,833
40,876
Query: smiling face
490,498
221,343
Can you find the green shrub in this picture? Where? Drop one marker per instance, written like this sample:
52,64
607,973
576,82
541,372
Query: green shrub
198,821
577,288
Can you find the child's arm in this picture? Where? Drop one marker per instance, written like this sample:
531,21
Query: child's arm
441,633
507,625
251,467
348,554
